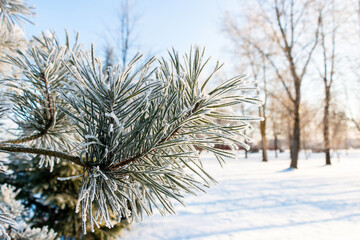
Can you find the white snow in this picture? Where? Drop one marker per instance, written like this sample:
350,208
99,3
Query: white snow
256,200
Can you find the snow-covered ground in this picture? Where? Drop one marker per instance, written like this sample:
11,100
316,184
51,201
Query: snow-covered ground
256,200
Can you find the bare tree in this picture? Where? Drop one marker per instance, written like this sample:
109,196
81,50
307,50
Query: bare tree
120,43
278,117
334,25
262,113
256,63
292,29
126,30
310,121
328,31
109,56
258,67
339,128
354,61
281,115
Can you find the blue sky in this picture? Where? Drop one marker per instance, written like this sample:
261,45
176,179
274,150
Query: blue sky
162,24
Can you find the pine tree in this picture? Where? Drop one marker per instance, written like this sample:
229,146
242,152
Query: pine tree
129,135
12,212
52,202
16,227
12,14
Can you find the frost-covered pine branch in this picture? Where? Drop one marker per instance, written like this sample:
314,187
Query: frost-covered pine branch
140,127
35,95
12,224
9,210
13,12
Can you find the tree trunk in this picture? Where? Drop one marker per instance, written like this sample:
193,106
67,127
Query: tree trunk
263,140
295,146
276,145
275,140
326,126
264,144
290,137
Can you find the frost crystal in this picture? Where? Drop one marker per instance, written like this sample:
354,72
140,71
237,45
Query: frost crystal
113,116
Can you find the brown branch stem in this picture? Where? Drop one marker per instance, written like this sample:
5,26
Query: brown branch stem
14,148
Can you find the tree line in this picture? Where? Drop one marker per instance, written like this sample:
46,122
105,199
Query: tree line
297,51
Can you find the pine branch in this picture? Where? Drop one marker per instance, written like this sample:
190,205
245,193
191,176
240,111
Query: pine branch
138,156
49,112
35,96
13,148
14,12
154,117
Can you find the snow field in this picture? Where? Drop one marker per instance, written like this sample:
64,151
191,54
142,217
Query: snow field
256,200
